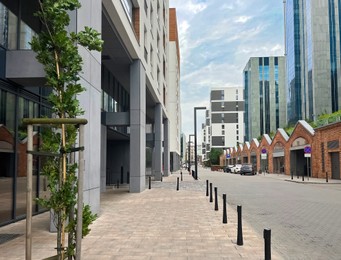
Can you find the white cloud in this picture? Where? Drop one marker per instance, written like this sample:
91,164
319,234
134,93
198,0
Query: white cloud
188,6
242,19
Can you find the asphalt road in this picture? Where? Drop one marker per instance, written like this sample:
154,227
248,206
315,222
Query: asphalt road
305,219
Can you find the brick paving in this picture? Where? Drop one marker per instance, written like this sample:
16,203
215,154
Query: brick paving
160,223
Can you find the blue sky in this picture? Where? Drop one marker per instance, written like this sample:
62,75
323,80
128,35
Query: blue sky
217,38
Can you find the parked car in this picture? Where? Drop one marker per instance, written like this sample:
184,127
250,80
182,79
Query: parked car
227,168
236,168
247,168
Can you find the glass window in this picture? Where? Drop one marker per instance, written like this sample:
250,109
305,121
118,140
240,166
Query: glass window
8,28
10,111
26,35
128,7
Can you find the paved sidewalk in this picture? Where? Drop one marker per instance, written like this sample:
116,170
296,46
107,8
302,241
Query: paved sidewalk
306,180
160,223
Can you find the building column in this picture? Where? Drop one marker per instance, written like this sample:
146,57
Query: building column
103,183
166,152
158,142
137,156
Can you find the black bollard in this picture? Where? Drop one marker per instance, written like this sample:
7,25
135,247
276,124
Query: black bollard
224,209
211,197
150,182
302,176
267,244
121,174
177,183
118,183
215,198
240,228
128,177
297,175
206,188
181,176
326,176
292,175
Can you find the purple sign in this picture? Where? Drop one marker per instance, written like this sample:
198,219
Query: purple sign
263,150
307,149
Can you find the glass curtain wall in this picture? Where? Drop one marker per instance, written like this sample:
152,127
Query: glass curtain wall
17,103
293,38
333,58
17,23
17,26
261,96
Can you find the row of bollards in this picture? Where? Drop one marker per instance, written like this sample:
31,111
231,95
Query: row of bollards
240,242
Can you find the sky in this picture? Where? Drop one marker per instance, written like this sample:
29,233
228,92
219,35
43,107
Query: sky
217,38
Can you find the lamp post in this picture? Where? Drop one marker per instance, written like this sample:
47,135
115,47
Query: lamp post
195,140
189,152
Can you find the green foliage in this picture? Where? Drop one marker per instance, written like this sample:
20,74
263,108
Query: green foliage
57,50
214,155
325,119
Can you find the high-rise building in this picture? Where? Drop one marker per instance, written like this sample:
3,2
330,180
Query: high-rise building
126,100
226,117
265,96
312,37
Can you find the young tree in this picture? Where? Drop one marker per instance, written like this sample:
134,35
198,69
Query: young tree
57,50
214,155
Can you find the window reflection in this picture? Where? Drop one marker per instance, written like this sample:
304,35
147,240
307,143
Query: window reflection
9,35
13,156
26,35
8,28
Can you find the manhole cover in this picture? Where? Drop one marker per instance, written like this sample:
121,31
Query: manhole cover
8,237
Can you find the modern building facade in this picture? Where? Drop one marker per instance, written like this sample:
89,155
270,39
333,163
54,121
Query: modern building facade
312,30
265,96
206,136
173,104
226,117
126,100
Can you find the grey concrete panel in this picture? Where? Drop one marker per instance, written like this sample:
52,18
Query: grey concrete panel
116,118
137,155
23,68
218,141
158,142
228,118
227,106
216,95
137,116
103,157
166,148
137,184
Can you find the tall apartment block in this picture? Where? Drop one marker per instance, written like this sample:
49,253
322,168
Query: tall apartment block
226,117
173,101
127,100
312,30
265,96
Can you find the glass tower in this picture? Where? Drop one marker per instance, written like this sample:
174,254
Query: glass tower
312,32
265,96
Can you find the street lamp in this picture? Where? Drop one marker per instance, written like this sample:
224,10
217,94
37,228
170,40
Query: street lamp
195,140
189,153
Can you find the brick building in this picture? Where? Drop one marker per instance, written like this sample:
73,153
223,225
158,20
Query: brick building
326,151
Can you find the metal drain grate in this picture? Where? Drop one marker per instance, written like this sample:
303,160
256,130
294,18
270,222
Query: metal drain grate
8,237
